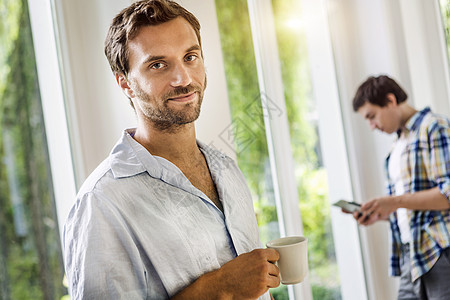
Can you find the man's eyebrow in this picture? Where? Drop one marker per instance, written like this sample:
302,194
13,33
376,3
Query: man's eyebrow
152,58
193,48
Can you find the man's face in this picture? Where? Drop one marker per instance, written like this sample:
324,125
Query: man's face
384,118
167,76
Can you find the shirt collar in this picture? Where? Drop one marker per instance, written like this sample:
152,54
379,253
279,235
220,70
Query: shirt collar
414,122
129,158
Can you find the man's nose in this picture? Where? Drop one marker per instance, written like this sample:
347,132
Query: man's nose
181,76
373,125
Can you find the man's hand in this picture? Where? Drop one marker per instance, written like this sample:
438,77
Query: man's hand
380,208
250,275
375,210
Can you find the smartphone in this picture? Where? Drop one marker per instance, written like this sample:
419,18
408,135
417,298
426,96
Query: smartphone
348,206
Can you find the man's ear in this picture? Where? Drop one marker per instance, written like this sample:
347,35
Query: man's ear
124,85
392,100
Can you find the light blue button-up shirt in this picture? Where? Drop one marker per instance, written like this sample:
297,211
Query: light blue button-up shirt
140,230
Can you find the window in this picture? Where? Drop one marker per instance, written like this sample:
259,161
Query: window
247,115
30,251
250,134
445,11
310,173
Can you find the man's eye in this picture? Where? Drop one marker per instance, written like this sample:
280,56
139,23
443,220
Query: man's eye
157,66
191,57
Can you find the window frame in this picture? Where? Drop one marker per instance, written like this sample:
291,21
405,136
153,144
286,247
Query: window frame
53,106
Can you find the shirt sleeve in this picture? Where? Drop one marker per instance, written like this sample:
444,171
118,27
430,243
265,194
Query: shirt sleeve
101,259
439,143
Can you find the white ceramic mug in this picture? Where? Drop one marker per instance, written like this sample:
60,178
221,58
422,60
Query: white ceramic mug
293,262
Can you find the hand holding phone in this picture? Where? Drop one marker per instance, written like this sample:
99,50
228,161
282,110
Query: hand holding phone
348,206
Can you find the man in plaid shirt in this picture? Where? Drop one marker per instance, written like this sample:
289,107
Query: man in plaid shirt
418,184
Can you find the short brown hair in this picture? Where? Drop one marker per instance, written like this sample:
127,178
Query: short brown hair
127,23
374,91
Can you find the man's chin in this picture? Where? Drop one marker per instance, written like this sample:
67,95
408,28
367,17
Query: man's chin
176,123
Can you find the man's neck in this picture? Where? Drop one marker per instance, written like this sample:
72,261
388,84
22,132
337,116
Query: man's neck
407,112
178,146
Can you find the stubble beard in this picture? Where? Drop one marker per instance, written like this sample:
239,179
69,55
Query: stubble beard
165,118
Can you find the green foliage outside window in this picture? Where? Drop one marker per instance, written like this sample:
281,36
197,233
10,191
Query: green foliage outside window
311,177
445,10
246,111
30,254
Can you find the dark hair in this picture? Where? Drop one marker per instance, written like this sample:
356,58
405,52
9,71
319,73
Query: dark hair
127,23
374,91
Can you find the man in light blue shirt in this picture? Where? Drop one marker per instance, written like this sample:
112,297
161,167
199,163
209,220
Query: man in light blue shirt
164,216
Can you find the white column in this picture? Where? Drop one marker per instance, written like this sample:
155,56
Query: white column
334,148
426,52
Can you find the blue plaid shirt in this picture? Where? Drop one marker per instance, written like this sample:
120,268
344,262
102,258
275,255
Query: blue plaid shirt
425,164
